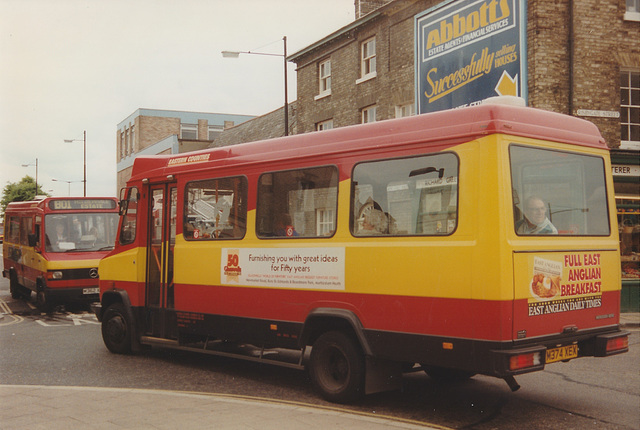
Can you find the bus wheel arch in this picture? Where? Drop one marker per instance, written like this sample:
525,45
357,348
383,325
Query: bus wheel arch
119,331
337,365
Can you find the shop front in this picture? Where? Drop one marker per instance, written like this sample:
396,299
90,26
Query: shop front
626,177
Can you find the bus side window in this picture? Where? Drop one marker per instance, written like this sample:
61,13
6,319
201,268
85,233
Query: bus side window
26,227
216,209
405,196
128,229
297,203
14,230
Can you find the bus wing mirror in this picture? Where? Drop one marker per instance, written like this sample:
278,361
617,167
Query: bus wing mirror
122,207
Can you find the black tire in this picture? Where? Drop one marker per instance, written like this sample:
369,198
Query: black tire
442,374
14,287
337,367
117,332
42,301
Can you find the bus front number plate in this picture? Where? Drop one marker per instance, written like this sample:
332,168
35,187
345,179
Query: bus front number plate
95,290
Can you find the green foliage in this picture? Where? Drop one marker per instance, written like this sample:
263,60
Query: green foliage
20,192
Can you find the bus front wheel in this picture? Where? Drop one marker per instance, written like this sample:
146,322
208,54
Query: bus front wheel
116,329
337,367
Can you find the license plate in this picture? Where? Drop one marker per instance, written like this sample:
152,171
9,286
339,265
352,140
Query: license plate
562,353
95,290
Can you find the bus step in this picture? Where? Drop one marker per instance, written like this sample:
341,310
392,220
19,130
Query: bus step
282,358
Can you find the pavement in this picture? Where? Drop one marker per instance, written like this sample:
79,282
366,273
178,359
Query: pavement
47,407
56,408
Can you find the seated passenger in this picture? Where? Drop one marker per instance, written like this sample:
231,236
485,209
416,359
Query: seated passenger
535,219
284,226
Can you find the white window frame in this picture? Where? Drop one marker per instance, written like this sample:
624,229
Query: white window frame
625,108
325,221
367,60
132,134
632,12
368,114
188,128
324,79
407,109
324,125
214,131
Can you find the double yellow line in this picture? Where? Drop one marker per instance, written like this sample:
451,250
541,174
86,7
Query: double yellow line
8,315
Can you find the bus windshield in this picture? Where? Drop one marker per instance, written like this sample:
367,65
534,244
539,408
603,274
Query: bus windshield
80,232
556,192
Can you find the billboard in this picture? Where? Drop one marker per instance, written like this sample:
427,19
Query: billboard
469,50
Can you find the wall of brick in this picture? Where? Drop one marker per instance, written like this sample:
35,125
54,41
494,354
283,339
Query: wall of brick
154,129
603,45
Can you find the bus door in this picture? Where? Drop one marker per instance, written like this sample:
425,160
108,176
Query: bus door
160,318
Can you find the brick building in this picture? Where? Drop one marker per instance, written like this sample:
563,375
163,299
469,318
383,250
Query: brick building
152,132
578,51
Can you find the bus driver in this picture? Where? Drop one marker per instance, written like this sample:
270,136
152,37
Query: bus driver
535,219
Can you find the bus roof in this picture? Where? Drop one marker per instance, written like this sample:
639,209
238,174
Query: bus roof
445,127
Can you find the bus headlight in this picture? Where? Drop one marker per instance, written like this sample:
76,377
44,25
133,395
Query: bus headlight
56,275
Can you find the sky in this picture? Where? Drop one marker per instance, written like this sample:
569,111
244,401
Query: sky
69,66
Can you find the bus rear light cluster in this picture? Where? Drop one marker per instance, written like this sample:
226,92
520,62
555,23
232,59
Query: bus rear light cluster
617,344
524,361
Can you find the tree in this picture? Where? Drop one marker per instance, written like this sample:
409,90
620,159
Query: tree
20,192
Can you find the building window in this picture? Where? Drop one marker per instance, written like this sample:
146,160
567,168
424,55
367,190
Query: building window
214,131
132,138
630,110
367,60
189,131
405,110
369,114
324,78
632,12
123,147
324,125
325,221
129,143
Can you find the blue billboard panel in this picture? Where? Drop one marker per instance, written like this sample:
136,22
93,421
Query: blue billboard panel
469,50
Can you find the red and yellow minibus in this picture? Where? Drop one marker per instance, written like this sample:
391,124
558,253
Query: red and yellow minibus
481,240
53,247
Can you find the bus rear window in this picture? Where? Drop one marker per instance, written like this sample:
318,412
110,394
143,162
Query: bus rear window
415,196
557,192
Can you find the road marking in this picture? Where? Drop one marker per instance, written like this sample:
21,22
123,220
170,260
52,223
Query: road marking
6,313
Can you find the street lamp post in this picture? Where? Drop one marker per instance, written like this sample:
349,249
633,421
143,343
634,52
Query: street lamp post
31,164
68,183
236,54
84,140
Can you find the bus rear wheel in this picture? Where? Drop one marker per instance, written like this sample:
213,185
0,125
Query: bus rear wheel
337,367
116,329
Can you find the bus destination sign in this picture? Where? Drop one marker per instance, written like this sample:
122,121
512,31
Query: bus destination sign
71,204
